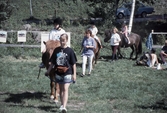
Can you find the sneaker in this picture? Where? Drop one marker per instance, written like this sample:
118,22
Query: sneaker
61,108
41,65
64,110
82,75
165,63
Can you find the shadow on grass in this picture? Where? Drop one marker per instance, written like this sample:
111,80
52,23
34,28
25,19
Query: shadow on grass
47,108
105,58
19,100
109,57
79,65
162,105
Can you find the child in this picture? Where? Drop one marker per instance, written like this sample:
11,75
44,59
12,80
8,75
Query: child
94,31
114,42
88,45
125,32
63,56
54,34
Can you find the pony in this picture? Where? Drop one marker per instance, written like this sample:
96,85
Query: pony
50,46
135,43
96,51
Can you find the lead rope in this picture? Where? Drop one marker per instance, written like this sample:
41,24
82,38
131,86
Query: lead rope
39,73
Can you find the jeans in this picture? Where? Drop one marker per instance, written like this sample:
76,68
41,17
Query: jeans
90,59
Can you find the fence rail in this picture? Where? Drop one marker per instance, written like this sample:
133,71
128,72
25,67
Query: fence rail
18,45
159,33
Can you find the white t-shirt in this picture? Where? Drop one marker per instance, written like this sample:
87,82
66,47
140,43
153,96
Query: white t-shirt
115,39
55,34
94,30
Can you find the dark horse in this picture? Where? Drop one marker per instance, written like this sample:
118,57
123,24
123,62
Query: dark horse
50,46
135,43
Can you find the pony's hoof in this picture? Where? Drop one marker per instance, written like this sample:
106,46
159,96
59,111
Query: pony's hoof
56,101
51,97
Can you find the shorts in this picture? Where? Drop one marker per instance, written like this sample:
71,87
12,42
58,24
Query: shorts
64,79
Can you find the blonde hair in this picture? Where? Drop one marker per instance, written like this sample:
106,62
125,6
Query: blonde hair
165,41
114,28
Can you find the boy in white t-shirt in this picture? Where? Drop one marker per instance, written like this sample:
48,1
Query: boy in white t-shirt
54,34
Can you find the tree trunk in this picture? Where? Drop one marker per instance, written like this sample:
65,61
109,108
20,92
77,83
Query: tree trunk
131,16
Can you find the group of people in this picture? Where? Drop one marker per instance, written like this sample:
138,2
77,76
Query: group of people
115,39
64,56
151,60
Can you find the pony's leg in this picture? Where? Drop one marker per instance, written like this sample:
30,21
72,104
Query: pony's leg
131,54
96,57
119,52
52,84
54,88
57,92
136,51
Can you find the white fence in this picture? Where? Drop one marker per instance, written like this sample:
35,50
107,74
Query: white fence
21,37
156,46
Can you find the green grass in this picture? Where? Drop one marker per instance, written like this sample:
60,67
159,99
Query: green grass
118,87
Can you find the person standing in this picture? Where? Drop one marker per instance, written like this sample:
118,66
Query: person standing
163,53
88,45
65,57
54,34
114,42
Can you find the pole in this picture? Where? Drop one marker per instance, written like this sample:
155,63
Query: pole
131,16
31,9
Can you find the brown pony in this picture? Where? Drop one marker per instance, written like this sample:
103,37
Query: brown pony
135,43
50,46
96,52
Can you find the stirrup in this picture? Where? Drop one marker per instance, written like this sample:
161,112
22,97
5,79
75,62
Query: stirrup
41,65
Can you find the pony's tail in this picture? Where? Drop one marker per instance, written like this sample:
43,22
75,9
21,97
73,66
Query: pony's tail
140,46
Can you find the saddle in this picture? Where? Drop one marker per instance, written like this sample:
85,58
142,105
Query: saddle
125,40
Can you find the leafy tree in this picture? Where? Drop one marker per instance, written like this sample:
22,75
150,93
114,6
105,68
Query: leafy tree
107,8
5,10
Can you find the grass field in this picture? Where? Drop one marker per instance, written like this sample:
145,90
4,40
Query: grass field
118,87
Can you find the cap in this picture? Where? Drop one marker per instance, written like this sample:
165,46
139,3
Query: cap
58,21
92,23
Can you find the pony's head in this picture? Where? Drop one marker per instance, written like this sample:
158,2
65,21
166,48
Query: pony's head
50,46
107,34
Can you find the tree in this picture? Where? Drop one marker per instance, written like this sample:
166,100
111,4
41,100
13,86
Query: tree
108,8
5,10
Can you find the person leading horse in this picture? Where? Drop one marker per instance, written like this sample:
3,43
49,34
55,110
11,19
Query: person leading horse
135,43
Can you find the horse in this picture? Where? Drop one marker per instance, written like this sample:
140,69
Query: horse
50,46
135,43
96,51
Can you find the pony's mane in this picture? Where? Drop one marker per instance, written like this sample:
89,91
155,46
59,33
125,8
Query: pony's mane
51,44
